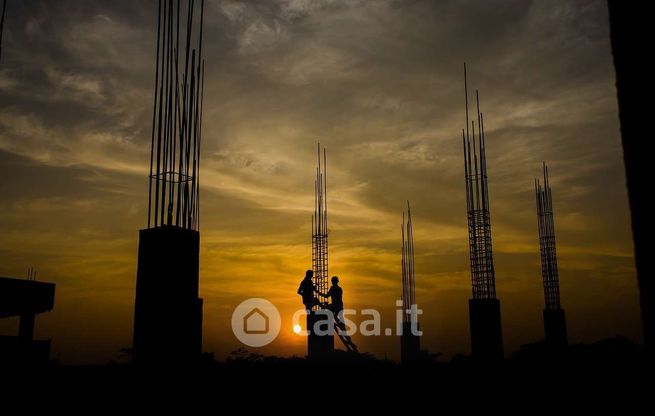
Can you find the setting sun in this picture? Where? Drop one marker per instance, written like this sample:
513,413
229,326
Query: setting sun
297,329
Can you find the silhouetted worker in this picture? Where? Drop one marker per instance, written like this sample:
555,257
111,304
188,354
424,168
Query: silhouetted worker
307,289
336,296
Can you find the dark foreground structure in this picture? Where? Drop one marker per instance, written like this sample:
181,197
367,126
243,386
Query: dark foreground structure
168,311
25,299
593,376
484,307
629,26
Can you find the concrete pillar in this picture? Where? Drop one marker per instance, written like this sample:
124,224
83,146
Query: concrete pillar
486,329
26,326
167,312
555,328
318,346
410,345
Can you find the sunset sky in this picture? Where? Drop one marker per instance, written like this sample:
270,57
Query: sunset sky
380,84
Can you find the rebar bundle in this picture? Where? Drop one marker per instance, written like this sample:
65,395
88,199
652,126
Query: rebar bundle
477,204
320,227
174,187
546,224
409,294
2,23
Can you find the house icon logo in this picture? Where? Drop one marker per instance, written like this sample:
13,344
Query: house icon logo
256,322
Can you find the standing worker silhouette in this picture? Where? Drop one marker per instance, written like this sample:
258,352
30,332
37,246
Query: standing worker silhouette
307,289
336,295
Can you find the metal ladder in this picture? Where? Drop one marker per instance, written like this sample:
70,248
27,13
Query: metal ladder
347,341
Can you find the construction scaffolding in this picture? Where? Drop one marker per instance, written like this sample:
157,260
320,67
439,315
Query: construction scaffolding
320,227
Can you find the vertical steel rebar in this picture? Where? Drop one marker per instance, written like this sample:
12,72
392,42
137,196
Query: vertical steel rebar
548,251
477,202
320,225
177,118
407,265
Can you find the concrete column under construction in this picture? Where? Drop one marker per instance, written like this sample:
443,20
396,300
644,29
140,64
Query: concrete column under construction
168,311
319,346
554,317
555,328
410,345
484,307
486,329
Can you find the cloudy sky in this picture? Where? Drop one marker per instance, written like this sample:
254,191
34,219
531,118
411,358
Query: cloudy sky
380,84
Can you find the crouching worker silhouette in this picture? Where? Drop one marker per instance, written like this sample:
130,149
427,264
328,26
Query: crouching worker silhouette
336,305
307,289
